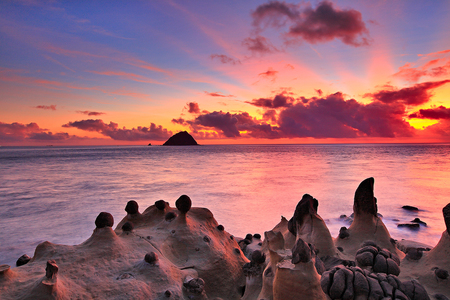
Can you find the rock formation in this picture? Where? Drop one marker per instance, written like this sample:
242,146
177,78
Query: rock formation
182,138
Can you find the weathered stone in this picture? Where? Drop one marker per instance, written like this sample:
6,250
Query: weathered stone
252,269
23,260
446,213
51,270
128,226
308,205
338,286
380,265
388,289
220,228
249,237
365,259
365,202
325,281
183,203
301,252
392,267
4,269
258,257
151,258
414,253
399,295
104,219
343,233
132,207
394,281
257,236
441,273
160,204
440,297
368,248
349,292
195,286
376,292
320,266
170,216
360,285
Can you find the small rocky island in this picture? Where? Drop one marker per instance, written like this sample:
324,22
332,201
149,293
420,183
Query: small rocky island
182,138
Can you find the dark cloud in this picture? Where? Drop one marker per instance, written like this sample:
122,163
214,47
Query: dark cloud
154,132
415,95
179,121
225,59
48,136
193,108
322,24
278,101
90,113
17,132
217,94
319,92
259,44
335,117
50,107
437,113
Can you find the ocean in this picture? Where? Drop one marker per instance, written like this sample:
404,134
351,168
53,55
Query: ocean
55,193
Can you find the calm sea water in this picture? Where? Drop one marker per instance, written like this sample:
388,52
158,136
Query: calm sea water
55,193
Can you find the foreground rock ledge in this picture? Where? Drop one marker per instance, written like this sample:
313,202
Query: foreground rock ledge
183,253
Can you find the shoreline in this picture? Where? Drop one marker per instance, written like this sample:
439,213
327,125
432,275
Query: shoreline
182,252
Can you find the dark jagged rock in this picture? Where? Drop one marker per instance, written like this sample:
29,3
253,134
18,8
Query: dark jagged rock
365,202
411,208
301,252
51,270
343,233
195,286
258,257
446,212
183,204
220,227
419,221
249,237
132,207
104,219
151,258
441,273
308,205
257,236
23,260
182,138
440,297
128,226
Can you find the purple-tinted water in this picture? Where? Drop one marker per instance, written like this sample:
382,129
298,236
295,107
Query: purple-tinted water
55,193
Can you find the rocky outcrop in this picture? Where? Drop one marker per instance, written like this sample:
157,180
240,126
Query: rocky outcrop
182,138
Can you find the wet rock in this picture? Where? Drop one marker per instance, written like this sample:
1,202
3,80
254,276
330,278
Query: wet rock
343,233
419,221
160,204
365,202
51,270
183,204
441,273
301,252
23,260
412,226
132,207
446,212
151,258
127,227
170,216
195,285
410,208
104,219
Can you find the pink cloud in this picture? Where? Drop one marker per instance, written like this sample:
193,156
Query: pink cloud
217,94
90,113
225,59
50,107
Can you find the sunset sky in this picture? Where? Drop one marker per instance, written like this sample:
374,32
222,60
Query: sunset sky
136,72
